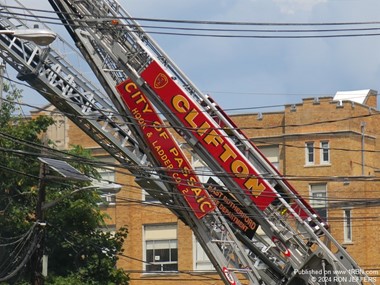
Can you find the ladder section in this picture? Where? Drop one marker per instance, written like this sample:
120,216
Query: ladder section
149,67
61,84
174,162
249,177
105,69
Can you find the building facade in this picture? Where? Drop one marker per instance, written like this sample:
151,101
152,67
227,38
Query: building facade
327,149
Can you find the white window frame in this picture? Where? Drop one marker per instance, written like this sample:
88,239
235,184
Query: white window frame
109,199
347,225
153,200
107,174
200,258
162,233
318,204
323,151
309,151
272,153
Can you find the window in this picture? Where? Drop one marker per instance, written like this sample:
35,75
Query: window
161,250
325,152
57,131
107,176
347,225
109,199
149,198
318,199
201,260
272,154
309,148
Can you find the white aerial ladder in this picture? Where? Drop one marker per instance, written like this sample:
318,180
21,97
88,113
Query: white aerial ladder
50,73
295,238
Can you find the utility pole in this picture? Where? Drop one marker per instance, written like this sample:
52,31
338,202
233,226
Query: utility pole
37,277
2,70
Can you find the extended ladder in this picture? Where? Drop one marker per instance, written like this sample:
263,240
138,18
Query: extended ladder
247,175
64,86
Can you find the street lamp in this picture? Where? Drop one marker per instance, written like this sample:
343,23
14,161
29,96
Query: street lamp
42,37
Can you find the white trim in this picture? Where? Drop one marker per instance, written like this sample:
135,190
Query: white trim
319,188
307,153
208,266
347,239
167,232
321,153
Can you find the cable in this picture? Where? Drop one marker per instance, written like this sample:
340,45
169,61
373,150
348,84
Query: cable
241,128
21,255
154,169
307,178
205,22
15,15
273,127
188,272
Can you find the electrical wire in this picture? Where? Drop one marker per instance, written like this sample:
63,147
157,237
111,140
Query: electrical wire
189,210
207,22
20,255
263,128
160,113
241,36
69,235
194,129
71,158
152,169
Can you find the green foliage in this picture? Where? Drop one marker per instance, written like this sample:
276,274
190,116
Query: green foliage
79,251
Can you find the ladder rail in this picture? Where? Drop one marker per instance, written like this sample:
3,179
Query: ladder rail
137,53
60,85
99,61
141,59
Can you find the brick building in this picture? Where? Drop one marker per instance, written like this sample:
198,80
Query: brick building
327,148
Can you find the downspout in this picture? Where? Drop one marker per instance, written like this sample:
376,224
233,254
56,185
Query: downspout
362,125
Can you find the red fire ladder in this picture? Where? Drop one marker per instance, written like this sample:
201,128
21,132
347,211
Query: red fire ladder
115,52
247,175
49,72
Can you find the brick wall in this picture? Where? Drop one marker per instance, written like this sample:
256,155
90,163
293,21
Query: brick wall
323,120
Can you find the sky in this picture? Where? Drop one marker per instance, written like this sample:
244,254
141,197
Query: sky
252,74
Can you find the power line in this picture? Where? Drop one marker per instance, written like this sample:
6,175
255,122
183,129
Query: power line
72,158
343,32
20,255
193,129
207,22
252,128
362,200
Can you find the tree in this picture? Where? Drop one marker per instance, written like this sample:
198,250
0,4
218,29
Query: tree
80,251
